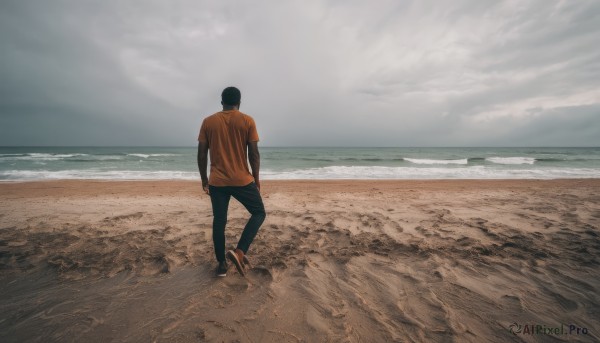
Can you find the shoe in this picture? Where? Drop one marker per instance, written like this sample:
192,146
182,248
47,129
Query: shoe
222,269
246,262
233,257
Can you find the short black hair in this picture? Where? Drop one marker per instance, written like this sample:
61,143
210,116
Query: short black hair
231,96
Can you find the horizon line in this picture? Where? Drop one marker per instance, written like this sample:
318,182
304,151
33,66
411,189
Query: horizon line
297,146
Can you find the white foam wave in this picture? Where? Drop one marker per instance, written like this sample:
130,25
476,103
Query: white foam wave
511,160
474,172
97,175
427,161
104,157
53,156
151,155
324,173
38,156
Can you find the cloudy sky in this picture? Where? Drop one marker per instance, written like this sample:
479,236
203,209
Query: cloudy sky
312,73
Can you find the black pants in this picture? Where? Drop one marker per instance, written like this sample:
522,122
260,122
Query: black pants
249,197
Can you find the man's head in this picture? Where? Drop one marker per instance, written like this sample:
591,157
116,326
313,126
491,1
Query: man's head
231,96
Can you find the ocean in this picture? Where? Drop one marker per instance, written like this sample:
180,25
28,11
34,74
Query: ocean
153,163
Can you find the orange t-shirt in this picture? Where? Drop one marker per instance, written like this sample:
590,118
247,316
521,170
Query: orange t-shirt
227,134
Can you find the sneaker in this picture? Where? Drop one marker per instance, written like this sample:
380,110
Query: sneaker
222,268
237,261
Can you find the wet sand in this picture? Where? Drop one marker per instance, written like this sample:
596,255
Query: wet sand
335,261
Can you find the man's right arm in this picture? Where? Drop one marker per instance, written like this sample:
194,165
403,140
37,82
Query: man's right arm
202,160
254,158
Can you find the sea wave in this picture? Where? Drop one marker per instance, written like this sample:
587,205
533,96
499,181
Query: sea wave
92,174
35,156
96,158
511,160
151,155
331,172
428,161
472,172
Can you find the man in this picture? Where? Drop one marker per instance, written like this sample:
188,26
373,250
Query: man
232,139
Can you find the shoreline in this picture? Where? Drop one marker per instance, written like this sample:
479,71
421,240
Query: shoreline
310,180
70,186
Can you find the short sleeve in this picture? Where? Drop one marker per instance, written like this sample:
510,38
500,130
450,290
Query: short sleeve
202,137
252,133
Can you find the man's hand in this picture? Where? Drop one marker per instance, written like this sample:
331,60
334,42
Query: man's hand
257,185
205,187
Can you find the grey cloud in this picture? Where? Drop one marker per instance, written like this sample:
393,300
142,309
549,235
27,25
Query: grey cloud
554,127
354,73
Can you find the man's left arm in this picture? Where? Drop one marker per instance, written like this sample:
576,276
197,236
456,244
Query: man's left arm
253,154
203,164
254,158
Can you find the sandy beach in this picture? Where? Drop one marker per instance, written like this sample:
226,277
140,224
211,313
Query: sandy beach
335,261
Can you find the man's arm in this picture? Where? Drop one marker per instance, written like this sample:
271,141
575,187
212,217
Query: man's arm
203,163
254,158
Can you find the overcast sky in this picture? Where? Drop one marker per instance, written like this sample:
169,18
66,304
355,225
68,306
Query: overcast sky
312,73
